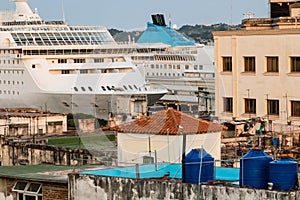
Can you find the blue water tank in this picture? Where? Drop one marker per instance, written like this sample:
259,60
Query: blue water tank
283,173
192,166
275,142
254,169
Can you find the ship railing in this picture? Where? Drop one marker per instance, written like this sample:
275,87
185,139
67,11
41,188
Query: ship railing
22,23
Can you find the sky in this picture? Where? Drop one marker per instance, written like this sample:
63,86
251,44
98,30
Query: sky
128,15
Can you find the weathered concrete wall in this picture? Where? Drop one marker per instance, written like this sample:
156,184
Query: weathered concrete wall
18,153
111,188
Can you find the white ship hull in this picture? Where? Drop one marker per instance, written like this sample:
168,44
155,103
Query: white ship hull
66,69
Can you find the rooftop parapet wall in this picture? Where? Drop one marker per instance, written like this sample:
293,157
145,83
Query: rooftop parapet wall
96,187
271,23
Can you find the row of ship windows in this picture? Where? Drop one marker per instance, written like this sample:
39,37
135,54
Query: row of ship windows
10,62
164,74
9,51
8,71
83,60
164,58
186,74
169,66
108,88
9,92
88,71
11,82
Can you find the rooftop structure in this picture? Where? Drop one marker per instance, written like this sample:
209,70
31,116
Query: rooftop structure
169,121
163,133
27,122
284,14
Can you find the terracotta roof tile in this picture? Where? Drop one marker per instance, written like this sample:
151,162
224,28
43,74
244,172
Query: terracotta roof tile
169,121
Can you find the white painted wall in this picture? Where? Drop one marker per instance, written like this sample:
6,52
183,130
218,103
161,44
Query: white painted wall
131,146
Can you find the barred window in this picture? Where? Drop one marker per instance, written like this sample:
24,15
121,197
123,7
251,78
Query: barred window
295,64
273,107
295,108
249,64
227,64
228,104
250,106
272,64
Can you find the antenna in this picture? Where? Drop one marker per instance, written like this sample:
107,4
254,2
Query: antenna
170,23
63,10
231,12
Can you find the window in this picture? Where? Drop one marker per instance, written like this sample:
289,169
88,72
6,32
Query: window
62,61
79,60
272,64
65,71
98,60
273,107
28,190
295,64
249,64
227,64
250,106
148,160
295,108
83,71
187,66
138,106
228,104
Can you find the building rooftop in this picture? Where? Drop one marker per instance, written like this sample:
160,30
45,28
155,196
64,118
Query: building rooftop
169,121
25,112
150,171
43,172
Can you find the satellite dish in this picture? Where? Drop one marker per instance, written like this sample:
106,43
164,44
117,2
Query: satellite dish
174,26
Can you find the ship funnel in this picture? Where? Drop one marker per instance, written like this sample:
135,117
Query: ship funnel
24,12
158,19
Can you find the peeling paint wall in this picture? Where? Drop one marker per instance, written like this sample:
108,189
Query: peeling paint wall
96,187
17,153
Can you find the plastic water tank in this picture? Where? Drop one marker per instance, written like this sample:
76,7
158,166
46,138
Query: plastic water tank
283,173
192,166
275,142
254,169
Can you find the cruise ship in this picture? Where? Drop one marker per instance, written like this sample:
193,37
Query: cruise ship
181,65
62,68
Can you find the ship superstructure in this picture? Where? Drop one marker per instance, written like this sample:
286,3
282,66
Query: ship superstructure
66,68
184,67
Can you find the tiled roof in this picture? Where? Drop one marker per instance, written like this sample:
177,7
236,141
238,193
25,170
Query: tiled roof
169,121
